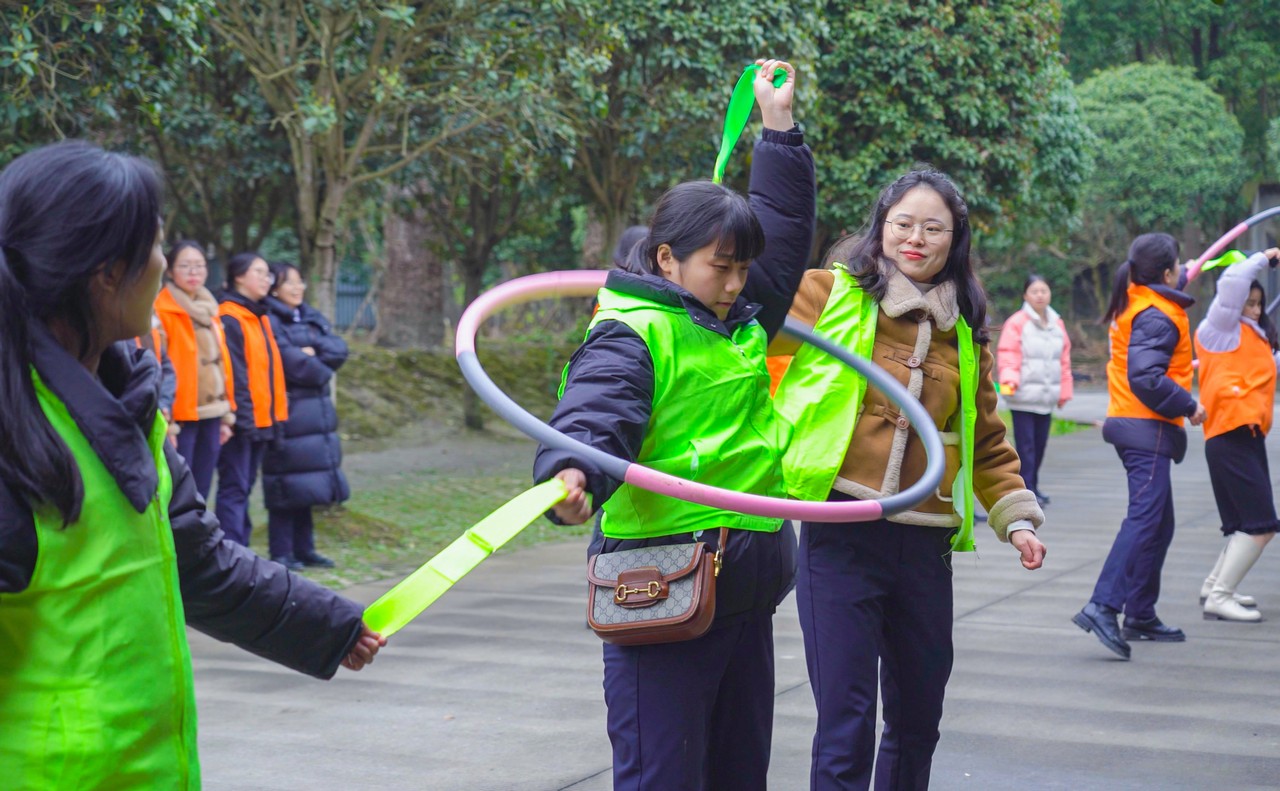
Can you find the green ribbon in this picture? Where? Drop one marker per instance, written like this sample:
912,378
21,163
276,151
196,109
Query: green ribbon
735,118
419,590
1226,259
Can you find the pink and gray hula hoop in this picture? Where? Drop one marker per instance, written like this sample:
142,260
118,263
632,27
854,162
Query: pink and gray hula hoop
1227,238
586,283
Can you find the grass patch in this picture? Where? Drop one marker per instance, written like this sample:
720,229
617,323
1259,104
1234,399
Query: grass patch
1057,427
389,529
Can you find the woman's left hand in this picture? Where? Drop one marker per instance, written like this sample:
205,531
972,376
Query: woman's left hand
775,103
1029,546
1062,402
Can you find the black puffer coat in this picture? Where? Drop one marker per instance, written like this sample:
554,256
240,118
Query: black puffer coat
304,467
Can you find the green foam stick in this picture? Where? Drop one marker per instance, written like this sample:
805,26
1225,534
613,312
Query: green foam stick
415,593
1226,259
735,118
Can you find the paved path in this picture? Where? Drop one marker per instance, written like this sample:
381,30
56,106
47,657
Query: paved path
497,687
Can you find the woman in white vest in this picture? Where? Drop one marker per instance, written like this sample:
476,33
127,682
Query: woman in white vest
1034,360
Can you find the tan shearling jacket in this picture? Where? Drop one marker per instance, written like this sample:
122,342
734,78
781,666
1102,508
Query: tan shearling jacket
916,343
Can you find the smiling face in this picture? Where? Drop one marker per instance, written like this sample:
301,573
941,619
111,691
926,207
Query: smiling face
256,282
714,278
292,289
917,256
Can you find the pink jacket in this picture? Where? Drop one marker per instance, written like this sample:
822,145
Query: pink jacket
1034,357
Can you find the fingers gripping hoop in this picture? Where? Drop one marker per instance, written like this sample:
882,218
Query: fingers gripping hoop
587,283
1227,238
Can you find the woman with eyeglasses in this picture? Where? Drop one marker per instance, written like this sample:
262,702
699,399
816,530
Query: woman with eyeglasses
875,598
188,313
303,468
255,385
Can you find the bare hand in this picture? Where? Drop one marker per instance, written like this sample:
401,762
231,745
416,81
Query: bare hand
1199,416
310,351
775,103
224,433
1273,255
574,509
1062,402
1029,547
365,649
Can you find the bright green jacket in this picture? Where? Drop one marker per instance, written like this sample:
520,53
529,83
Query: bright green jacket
712,420
817,390
95,673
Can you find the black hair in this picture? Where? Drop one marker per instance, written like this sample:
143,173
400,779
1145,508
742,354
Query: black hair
1150,256
185,244
1264,321
67,212
626,242
238,265
863,253
1032,279
692,215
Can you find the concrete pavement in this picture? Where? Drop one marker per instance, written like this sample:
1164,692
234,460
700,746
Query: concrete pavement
497,686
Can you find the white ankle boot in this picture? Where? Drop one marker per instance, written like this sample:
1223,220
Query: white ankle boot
1239,556
1242,599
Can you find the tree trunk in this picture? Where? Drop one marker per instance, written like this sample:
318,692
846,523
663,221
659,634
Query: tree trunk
410,306
472,282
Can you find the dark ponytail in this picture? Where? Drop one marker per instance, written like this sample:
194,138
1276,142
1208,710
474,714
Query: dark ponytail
692,215
1150,256
66,211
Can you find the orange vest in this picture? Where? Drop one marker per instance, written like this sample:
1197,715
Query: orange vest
183,355
1238,388
262,361
1123,402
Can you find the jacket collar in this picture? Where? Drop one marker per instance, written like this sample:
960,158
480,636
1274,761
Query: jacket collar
114,412
1051,315
902,297
202,308
283,311
1179,298
664,292
235,297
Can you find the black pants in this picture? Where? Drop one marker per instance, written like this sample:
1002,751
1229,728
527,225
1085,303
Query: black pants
238,464
1241,480
875,604
1030,435
1130,577
291,531
198,445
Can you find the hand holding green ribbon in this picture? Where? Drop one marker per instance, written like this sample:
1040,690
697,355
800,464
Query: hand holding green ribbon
735,118
415,593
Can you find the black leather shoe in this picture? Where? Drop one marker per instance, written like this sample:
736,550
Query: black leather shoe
315,559
1153,630
1042,498
1102,622
289,562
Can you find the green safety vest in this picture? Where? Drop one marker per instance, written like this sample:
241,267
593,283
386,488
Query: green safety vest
812,396
95,673
712,420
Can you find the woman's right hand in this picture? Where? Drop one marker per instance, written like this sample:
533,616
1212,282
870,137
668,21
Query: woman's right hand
775,103
574,509
1273,256
224,433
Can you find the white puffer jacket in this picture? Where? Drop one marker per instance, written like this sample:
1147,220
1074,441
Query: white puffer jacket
1034,359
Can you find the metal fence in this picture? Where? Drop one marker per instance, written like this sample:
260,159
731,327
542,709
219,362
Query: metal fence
350,298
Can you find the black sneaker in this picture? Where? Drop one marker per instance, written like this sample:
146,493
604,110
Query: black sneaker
315,559
289,562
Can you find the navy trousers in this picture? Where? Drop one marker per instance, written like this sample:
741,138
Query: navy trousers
1130,578
1030,436
198,445
875,603
290,531
238,465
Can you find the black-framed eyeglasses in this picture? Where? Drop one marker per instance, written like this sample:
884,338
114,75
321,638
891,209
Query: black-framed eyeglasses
902,230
